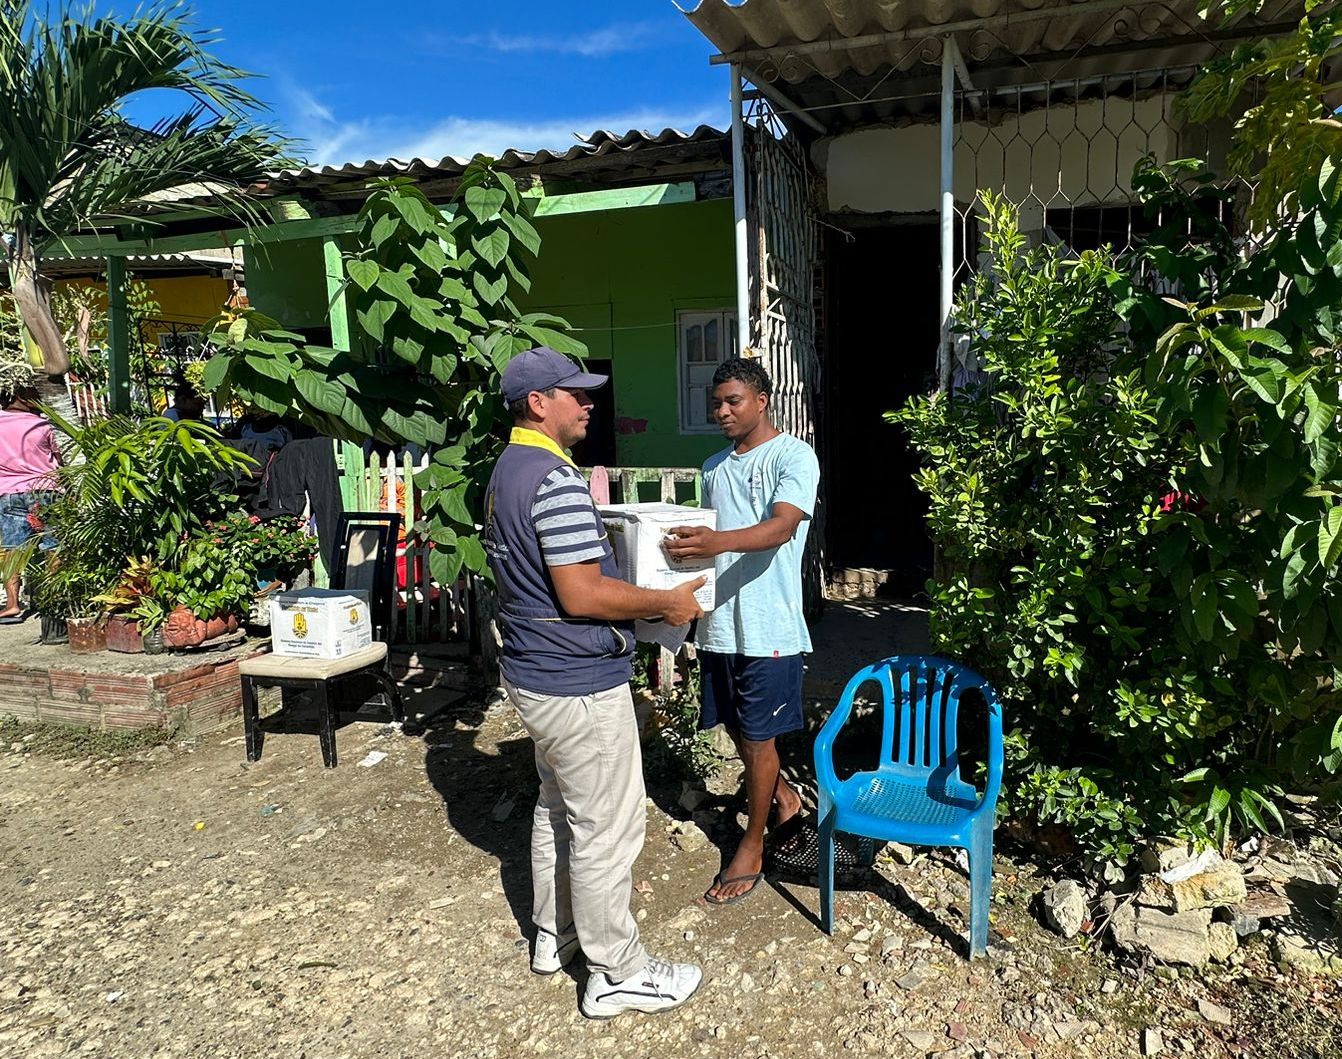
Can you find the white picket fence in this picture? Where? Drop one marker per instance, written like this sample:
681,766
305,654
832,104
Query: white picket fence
431,612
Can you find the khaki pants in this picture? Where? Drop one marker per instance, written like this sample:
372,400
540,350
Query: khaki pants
589,822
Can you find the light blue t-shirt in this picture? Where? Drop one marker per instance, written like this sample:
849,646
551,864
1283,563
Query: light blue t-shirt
758,596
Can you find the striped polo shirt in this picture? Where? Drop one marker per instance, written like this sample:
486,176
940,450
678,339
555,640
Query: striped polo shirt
566,519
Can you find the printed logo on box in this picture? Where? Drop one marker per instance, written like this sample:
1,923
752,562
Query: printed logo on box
354,615
300,626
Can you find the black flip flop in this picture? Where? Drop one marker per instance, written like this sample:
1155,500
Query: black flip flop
14,619
718,880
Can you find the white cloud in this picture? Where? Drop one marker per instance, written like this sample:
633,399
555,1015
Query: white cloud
595,44
304,104
333,142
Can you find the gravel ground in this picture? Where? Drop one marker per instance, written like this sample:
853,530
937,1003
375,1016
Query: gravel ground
178,901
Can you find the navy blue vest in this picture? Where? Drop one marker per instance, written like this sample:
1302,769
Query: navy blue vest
544,651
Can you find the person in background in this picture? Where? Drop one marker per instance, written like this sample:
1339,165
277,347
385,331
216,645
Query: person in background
186,404
763,488
29,458
267,428
568,645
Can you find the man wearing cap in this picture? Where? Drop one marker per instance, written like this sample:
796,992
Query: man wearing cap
568,642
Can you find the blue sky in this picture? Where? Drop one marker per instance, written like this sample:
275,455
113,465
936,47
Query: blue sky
405,78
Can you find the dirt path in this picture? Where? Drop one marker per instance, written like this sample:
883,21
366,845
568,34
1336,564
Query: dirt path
184,903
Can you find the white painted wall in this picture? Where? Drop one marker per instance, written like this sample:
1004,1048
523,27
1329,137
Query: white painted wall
1063,156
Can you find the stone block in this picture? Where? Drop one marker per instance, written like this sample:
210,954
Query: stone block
1064,907
1176,938
1221,883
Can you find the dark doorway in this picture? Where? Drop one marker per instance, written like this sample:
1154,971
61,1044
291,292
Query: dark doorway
598,448
881,328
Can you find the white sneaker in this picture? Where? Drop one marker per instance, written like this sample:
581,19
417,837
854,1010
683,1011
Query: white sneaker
552,952
660,986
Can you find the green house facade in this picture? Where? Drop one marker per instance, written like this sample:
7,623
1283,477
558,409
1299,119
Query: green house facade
636,254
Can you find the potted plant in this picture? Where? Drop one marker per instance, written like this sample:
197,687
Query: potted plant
65,593
127,488
150,614
135,585
87,633
208,601
276,548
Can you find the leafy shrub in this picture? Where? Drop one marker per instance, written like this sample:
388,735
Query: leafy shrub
1140,512
130,488
260,545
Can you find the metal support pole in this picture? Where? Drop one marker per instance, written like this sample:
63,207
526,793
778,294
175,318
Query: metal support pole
118,338
948,52
739,205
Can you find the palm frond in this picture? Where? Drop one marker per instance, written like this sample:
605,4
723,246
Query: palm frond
68,156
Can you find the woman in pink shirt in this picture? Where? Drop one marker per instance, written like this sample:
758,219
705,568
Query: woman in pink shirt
29,457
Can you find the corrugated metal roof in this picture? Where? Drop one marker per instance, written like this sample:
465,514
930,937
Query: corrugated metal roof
982,27
857,61
211,260
601,145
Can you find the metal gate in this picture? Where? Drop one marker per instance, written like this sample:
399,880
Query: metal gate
781,223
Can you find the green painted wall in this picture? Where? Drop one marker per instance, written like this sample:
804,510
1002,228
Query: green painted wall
637,267
618,275
288,282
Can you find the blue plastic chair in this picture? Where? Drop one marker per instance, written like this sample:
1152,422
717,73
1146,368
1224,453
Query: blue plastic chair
915,795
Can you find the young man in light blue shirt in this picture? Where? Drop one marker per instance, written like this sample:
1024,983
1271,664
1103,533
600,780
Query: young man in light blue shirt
763,488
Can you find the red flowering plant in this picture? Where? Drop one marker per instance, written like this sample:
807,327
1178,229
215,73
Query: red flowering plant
267,547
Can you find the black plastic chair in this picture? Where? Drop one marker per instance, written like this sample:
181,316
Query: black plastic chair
365,558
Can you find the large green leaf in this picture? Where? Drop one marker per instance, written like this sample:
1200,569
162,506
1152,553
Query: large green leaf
485,203
524,231
454,506
491,291
1264,378
362,272
421,216
215,371
1330,537
1321,415
1209,412
383,229
321,392
395,284
1205,600
492,244
276,368
472,553
1268,337
428,251
354,415
445,565
373,319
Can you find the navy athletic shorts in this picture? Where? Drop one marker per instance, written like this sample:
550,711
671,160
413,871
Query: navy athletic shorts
759,697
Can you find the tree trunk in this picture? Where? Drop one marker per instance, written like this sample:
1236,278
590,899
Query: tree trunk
52,392
34,300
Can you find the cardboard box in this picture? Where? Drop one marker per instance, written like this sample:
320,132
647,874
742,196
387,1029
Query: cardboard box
636,533
320,622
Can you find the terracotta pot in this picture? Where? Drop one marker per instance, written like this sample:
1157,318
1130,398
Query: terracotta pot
123,634
184,629
87,635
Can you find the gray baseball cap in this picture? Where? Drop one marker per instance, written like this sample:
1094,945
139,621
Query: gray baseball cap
541,368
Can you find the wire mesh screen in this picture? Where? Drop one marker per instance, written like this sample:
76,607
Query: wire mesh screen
1065,151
